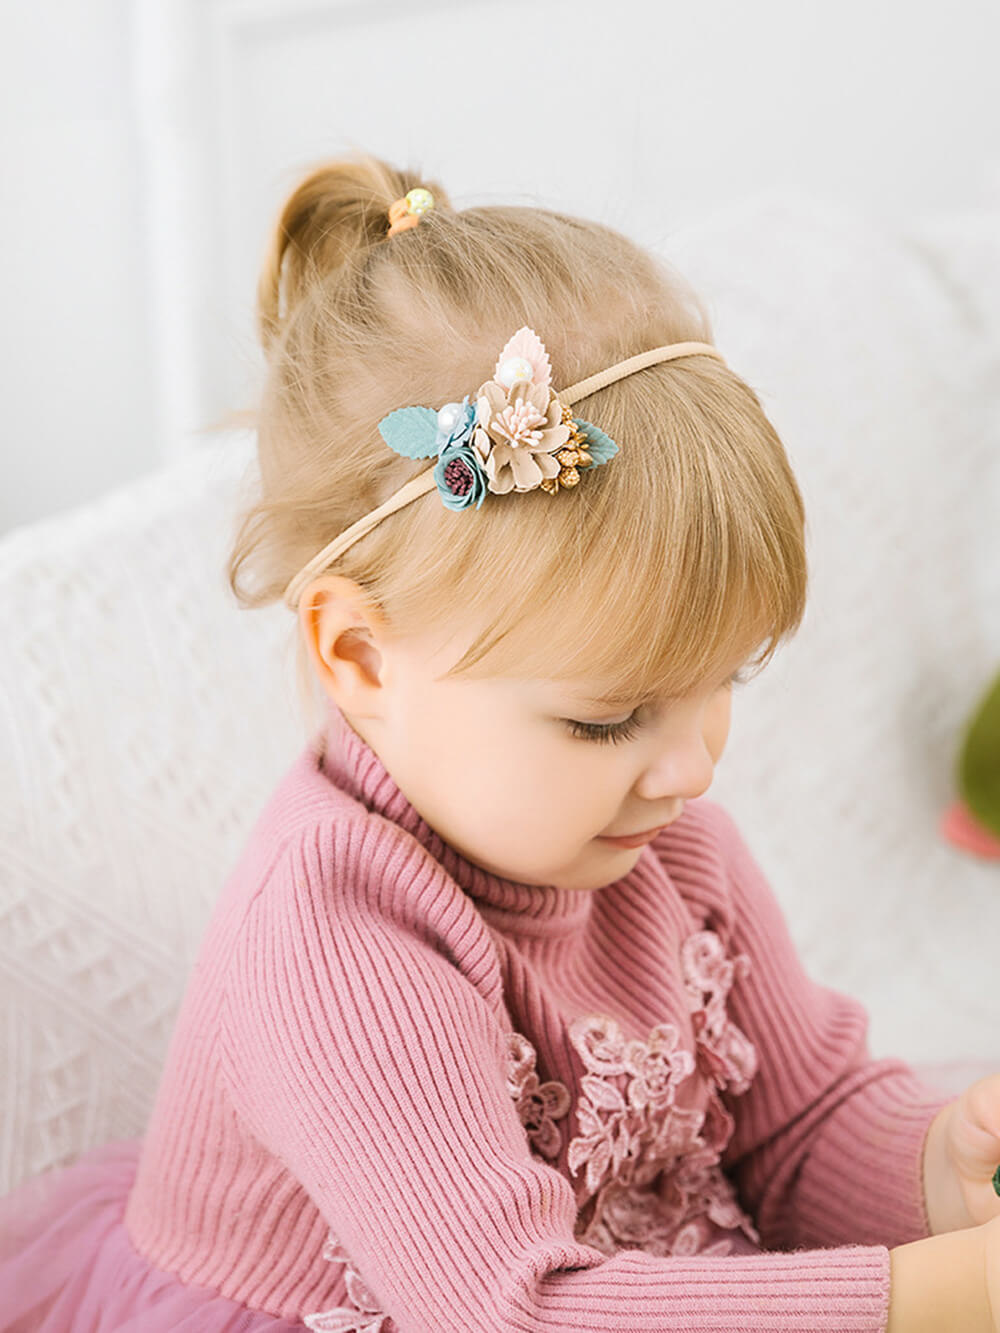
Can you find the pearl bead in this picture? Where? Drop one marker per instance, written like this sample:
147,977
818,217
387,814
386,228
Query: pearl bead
448,417
514,369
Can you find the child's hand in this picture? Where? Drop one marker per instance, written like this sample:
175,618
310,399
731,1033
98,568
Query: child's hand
962,1158
949,1282
991,1234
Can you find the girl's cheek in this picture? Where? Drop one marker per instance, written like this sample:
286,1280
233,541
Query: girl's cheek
717,718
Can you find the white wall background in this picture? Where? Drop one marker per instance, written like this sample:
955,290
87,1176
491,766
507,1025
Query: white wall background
146,146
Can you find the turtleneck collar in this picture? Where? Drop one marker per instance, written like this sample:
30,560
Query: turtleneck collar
352,765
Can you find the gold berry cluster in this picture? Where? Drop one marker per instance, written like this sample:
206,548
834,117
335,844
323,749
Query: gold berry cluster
572,455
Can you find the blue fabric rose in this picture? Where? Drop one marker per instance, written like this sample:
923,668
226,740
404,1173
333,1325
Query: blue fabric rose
459,477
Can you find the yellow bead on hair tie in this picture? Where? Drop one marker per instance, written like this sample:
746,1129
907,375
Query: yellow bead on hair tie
419,200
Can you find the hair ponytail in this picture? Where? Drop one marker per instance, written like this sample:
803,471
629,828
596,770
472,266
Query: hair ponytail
334,216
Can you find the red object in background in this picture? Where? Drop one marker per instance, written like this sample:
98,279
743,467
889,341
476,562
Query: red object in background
959,826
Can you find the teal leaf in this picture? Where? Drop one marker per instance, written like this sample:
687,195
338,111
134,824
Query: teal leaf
601,447
411,431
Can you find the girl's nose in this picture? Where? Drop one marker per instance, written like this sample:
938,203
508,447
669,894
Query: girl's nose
683,768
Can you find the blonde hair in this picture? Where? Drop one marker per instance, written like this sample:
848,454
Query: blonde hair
686,550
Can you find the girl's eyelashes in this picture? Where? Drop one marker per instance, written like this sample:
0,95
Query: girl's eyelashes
616,732
604,731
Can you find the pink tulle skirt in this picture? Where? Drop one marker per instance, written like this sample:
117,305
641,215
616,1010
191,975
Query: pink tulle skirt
67,1264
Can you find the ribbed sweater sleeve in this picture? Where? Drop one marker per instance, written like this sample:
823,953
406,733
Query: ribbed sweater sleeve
356,1051
828,1144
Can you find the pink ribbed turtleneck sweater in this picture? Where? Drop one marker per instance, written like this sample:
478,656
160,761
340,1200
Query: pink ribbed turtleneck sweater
409,1095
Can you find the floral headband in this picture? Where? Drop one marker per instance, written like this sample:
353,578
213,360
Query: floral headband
517,435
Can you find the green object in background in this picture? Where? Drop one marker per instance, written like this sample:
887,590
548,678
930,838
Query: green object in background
979,761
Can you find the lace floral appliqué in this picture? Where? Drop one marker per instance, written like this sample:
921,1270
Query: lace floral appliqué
539,1105
364,1316
725,1053
651,1175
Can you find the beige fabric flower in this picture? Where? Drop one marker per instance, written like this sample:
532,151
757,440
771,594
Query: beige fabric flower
517,433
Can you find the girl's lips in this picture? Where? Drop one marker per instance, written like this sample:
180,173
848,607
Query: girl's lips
636,839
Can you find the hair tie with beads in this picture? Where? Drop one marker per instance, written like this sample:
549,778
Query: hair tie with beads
405,213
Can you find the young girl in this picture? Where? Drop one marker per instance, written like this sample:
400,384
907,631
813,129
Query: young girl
497,1025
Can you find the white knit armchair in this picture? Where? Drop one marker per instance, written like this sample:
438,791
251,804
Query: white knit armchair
144,718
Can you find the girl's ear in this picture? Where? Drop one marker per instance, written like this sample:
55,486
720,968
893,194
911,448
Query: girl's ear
343,631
